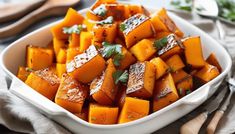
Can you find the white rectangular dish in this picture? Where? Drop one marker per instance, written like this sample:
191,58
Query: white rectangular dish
14,56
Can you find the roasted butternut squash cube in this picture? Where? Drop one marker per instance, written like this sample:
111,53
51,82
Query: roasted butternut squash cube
162,22
71,94
72,52
213,61
61,57
162,34
106,32
165,92
133,109
74,40
86,66
175,63
136,28
53,68
60,69
179,75
49,82
104,86
72,18
127,60
23,73
185,86
39,58
141,80
85,40
135,9
83,114
193,52
207,73
143,50
161,67
58,44
121,95
171,48
117,11
89,24
99,114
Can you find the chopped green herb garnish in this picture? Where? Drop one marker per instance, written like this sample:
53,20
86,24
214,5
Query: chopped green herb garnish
117,59
188,91
29,69
111,49
100,10
74,29
122,27
160,43
120,76
185,5
108,20
227,9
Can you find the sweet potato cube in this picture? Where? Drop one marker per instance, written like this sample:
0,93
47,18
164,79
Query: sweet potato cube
86,66
60,69
179,75
165,92
161,67
133,109
193,52
136,28
127,59
44,82
141,80
106,32
74,40
23,73
175,63
185,86
71,94
72,18
39,58
85,40
143,50
99,114
213,61
162,22
61,57
58,44
104,86
207,73
72,52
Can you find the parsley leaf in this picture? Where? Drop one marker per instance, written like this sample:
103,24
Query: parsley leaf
160,43
120,76
108,20
227,9
110,49
116,59
185,5
122,27
74,29
100,10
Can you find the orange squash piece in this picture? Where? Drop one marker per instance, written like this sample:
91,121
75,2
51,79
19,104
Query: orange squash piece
143,50
58,44
89,24
61,57
165,92
179,75
86,66
141,80
104,86
49,82
74,40
23,73
161,67
72,18
83,114
85,40
193,52
134,32
71,53
71,94
185,86
213,61
175,63
127,60
121,95
39,58
60,69
135,9
207,73
161,34
133,109
99,114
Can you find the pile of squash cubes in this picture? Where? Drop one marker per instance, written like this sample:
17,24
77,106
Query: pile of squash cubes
117,64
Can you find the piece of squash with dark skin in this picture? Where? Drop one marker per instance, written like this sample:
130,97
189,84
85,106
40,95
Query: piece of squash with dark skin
121,95
106,32
86,66
104,85
179,75
58,44
74,40
127,60
23,73
133,109
105,115
161,67
143,50
61,57
49,82
60,69
213,61
207,73
193,52
141,80
185,86
72,18
39,58
162,22
165,92
71,94
71,53
85,40
175,63
134,32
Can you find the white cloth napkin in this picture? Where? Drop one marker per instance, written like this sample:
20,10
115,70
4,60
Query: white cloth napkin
18,115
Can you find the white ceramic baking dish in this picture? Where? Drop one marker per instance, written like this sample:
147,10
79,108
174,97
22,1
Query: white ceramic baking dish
14,56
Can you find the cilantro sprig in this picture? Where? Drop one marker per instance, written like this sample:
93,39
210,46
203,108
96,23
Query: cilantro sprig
100,10
120,76
122,27
74,29
160,43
